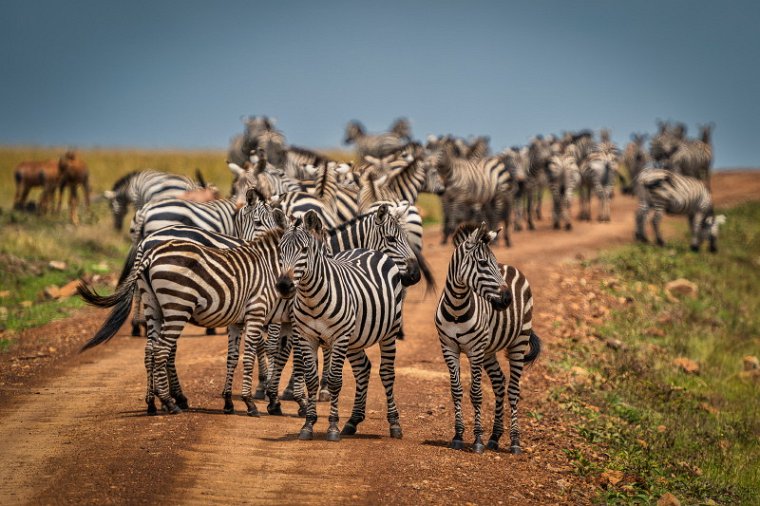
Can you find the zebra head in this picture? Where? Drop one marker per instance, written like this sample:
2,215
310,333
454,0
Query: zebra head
354,131
386,233
300,246
475,265
257,216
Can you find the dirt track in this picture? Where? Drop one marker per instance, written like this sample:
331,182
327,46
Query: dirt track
74,429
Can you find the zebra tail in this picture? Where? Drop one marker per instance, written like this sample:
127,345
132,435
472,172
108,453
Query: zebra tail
121,301
426,272
128,263
535,348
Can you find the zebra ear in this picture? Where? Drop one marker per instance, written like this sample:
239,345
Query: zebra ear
279,218
490,236
236,169
312,222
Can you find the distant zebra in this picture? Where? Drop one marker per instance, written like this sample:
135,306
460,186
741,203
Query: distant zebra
182,282
564,178
660,190
598,175
373,145
635,158
141,187
348,302
485,308
475,189
693,158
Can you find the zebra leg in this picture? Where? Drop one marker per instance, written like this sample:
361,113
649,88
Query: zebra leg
604,204
335,383
252,341
308,352
451,358
656,219
694,229
566,202
150,392
170,332
529,209
361,367
324,392
278,358
261,353
476,397
641,218
175,389
388,378
498,381
298,380
138,318
556,209
516,365
233,353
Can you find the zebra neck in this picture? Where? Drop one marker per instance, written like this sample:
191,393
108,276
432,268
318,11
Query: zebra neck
458,299
316,283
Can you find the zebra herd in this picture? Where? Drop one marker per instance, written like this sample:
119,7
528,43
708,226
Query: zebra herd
309,252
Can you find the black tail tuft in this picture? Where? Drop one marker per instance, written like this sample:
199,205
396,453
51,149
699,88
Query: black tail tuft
122,303
128,263
535,348
426,272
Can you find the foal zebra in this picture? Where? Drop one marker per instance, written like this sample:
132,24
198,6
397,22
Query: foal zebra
348,302
661,190
141,187
485,308
181,282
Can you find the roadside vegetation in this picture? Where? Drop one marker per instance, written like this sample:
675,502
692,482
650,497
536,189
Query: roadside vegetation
666,391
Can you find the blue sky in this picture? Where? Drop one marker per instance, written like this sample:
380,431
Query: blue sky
180,74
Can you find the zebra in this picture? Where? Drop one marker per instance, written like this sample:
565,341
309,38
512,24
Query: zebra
484,308
373,145
141,187
259,132
564,176
539,153
382,229
473,188
693,158
598,173
661,190
348,302
183,282
635,158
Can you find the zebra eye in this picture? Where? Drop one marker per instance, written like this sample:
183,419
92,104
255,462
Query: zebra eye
391,239
483,262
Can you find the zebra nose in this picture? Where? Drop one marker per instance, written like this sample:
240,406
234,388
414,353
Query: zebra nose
412,275
503,300
285,286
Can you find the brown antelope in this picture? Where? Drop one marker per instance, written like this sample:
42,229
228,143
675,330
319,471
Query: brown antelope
36,173
73,172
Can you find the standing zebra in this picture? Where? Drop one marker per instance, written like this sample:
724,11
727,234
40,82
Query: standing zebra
564,177
598,174
485,308
661,190
183,282
693,158
635,158
141,187
348,302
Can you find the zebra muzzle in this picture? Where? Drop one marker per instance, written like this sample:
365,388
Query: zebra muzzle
502,302
412,275
285,286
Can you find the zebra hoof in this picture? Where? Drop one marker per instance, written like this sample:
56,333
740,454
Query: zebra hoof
492,445
348,430
229,410
287,395
693,248
152,409
515,450
396,432
211,331
568,226
555,226
259,393
306,434
274,409
253,411
324,396
182,402
478,448
136,330
456,444
333,434
172,408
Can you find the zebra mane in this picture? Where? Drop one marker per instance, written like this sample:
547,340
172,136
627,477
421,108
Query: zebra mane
124,180
318,158
463,231
349,223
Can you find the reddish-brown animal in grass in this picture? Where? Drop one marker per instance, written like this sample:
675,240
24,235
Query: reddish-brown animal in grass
31,174
73,173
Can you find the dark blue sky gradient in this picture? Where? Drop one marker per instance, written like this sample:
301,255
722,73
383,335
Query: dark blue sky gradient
180,74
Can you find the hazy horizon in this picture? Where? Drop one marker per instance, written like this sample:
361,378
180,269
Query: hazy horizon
180,75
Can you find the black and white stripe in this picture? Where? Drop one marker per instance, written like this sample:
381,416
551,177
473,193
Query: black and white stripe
372,144
660,190
599,171
485,308
348,302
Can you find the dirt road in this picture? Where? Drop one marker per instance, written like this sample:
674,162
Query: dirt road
73,428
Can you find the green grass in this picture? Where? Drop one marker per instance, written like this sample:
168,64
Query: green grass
708,447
